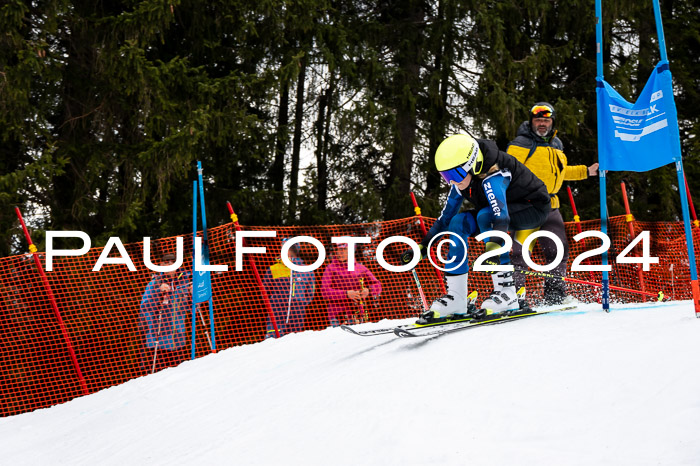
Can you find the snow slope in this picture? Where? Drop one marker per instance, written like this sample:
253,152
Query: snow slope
578,388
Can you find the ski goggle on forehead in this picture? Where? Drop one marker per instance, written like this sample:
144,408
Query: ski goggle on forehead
457,174
541,111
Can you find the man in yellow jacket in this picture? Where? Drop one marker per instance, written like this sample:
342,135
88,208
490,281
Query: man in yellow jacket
539,149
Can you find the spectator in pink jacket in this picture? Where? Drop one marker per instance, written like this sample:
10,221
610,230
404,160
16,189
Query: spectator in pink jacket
346,292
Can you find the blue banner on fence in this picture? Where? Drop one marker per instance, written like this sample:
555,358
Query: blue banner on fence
201,280
643,135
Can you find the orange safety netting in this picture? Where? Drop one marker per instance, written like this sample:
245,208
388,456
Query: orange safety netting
104,319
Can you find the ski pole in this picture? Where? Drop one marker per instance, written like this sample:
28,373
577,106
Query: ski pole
363,311
673,286
413,271
659,296
416,209
155,353
204,325
291,294
420,290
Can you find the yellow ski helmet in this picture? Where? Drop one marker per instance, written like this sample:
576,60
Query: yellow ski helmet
456,156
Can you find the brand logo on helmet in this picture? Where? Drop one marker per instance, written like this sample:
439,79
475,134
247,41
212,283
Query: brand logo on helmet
471,158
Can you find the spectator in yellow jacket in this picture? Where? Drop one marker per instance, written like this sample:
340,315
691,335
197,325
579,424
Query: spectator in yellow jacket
539,149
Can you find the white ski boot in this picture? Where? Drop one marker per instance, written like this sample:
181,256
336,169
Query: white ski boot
503,299
454,304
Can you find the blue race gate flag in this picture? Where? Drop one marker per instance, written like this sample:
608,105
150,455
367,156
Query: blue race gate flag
641,136
201,280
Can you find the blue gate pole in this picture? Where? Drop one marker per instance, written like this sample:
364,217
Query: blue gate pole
206,244
601,173
660,32
681,183
605,298
689,238
194,236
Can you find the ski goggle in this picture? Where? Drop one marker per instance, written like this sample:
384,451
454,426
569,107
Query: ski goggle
457,174
541,111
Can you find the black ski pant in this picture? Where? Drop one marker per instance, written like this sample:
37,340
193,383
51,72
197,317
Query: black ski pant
554,289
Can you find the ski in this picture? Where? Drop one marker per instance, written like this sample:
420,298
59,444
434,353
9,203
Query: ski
384,331
369,333
471,300
448,327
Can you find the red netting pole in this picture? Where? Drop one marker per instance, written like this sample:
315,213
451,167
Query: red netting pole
696,223
630,224
52,299
577,220
612,287
251,261
658,296
416,209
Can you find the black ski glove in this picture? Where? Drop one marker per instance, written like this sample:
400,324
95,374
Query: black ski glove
407,255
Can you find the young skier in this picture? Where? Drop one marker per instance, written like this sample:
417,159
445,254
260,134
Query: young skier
505,194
